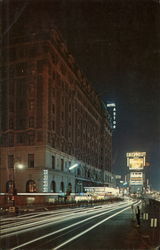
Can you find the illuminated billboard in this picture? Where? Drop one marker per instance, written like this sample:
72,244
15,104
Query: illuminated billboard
136,160
136,163
136,178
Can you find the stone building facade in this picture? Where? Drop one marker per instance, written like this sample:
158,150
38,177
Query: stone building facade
51,118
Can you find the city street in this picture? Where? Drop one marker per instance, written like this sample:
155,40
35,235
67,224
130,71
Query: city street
80,125
74,228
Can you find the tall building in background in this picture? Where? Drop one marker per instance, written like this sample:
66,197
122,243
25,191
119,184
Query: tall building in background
51,117
111,107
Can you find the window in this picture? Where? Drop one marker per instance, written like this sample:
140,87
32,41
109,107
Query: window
62,116
54,58
53,187
53,108
11,106
41,64
62,164
9,187
63,100
11,124
39,136
11,140
69,163
20,138
69,189
10,161
53,162
21,69
62,131
31,139
53,125
78,172
69,107
88,174
62,186
30,160
31,105
31,122
30,186
12,54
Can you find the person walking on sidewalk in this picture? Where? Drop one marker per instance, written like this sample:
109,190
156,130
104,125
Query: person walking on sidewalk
138,215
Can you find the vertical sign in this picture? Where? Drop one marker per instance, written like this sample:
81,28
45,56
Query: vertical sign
45,180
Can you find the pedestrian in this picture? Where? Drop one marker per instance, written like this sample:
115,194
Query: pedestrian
132,207
138,215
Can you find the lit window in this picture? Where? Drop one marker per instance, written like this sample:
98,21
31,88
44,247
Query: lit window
30,186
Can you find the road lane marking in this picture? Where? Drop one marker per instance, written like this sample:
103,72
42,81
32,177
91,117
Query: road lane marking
89,229
62,229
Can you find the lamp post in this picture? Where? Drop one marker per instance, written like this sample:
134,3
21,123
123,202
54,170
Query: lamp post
19,166
72,167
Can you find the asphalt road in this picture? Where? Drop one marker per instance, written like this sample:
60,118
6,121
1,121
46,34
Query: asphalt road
100,227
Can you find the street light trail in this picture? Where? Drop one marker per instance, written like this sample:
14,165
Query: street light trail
89,229
70,226
40,224
44,217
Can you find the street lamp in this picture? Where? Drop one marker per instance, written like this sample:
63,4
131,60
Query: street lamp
73,166
19,166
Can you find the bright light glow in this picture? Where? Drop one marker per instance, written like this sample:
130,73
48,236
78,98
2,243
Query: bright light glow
20,166
74,166
45,180
111,105
89,229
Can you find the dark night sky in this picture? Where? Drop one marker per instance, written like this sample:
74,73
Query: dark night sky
117,45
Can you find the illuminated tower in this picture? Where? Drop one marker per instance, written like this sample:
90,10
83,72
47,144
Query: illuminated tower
111,107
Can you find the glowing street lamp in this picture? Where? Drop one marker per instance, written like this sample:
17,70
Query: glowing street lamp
73,166
16,166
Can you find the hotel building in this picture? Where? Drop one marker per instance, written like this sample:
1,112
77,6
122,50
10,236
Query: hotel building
51,118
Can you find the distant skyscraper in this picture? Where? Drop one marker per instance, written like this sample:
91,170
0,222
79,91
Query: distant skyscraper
111,107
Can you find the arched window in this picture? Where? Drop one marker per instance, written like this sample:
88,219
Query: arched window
78,172
62,186
89,174
53,186
10,186
30,186
70,187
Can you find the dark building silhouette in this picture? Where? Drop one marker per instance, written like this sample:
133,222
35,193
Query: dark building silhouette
51,117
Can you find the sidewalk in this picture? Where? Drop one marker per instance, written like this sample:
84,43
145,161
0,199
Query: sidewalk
147,237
